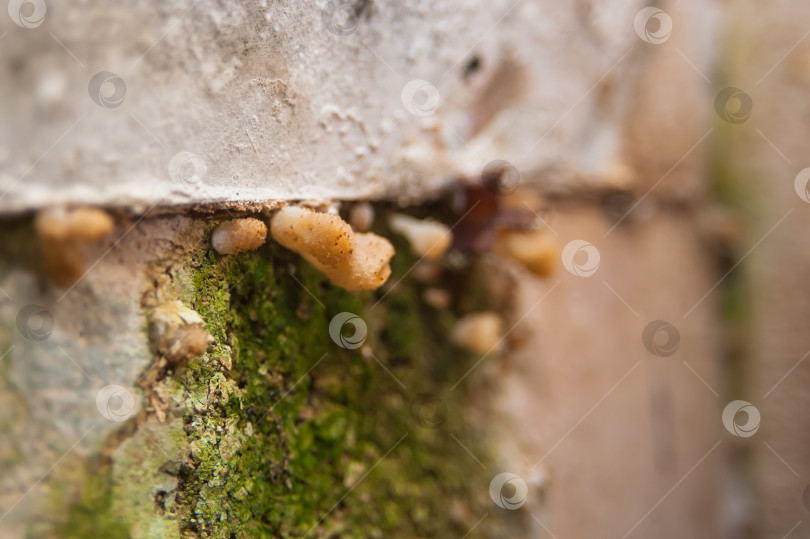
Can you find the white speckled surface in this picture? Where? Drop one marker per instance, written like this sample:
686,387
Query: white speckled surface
276,106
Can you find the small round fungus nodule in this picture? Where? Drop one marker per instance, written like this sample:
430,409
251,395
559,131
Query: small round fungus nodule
437,298
65,236
239,235
177,333
481,333
361,217
428,238
79,224
537,250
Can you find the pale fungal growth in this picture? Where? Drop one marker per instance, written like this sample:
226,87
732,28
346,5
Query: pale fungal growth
83,224
367,268
354,261
427,271
481,333
437,298
428,238
537,250
361,217
177,333
65,236
239,235
323,237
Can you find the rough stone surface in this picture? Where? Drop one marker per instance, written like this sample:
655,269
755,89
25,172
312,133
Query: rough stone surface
276,106
264,101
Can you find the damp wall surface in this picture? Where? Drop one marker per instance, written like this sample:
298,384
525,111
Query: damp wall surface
608,399
142,105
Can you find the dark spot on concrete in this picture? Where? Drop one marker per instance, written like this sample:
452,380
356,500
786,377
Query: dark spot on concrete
473,65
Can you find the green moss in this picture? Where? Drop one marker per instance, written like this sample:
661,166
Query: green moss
730,191
301,437
93,516
321,439
734,188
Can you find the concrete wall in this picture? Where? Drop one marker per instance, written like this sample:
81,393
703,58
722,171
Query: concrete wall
619,119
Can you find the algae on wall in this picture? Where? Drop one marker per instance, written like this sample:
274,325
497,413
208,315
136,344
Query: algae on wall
301,436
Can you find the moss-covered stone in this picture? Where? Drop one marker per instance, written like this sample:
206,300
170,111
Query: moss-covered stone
300,437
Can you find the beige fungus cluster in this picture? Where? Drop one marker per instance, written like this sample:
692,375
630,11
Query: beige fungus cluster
351,260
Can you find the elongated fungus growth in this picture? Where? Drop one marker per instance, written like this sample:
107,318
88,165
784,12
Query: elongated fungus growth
323,237
480,333
239,235
537,250
428,238
354,261
65,236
